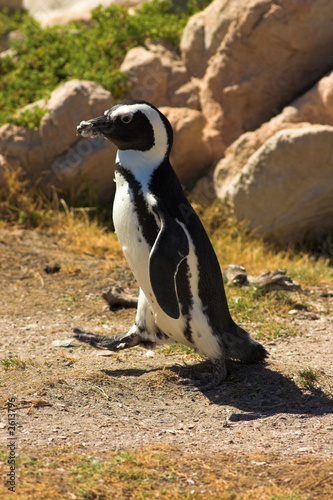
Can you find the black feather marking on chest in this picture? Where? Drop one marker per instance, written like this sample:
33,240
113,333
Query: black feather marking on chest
146,219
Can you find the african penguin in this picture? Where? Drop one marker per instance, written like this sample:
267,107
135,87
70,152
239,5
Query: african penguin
182,298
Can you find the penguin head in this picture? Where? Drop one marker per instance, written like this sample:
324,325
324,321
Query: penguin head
132,126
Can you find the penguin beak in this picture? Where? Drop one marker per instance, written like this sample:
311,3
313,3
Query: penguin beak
102,125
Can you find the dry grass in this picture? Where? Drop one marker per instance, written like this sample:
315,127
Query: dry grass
80,234
19,202
167,473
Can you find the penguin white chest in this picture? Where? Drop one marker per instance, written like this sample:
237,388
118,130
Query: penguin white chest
130,232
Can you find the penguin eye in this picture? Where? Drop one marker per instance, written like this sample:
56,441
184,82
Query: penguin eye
126,118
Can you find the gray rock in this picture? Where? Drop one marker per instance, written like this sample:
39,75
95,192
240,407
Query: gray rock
270,53
235,275
285,190
88,164
69,104
158,75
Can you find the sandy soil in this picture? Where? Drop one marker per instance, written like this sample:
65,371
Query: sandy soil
79,397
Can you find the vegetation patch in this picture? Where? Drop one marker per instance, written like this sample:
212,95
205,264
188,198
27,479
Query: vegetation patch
265,310
11,20
167,473
29,118
308,377
15,363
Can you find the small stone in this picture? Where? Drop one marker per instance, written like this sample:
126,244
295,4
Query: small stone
63,343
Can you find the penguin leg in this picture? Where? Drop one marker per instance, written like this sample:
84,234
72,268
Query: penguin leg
142,332
110,342
206,381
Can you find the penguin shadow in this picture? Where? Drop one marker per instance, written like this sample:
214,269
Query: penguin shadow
259,391
129,372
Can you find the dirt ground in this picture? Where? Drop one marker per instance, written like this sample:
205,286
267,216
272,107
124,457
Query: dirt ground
99,401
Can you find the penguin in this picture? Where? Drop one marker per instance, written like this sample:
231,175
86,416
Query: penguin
182,298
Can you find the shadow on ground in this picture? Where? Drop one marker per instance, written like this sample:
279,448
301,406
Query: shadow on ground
256,390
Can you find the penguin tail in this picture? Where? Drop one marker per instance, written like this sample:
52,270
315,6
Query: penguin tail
244,348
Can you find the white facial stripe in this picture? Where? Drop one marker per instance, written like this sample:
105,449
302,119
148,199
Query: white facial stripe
132,108
133,159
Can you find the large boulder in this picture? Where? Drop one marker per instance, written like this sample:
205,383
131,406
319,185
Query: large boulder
158,75
54,154
204,33
69,104
315,106
269,52
87,167
285,190
24,146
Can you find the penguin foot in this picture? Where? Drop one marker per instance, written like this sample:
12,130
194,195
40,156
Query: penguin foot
197,383
205,381
108,342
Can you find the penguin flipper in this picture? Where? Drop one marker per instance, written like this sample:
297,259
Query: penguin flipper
170,249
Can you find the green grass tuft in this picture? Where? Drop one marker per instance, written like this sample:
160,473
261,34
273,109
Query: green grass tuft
266,311
15,363
308,377
9,362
